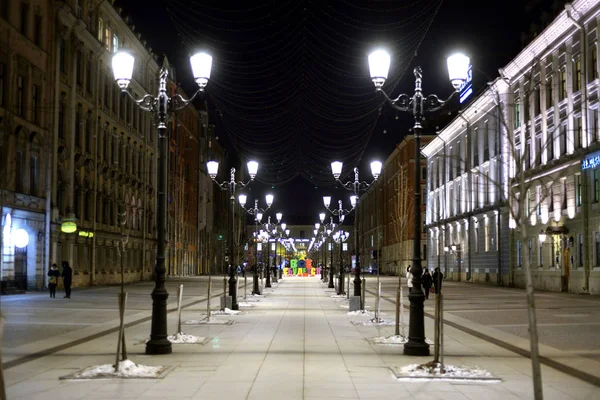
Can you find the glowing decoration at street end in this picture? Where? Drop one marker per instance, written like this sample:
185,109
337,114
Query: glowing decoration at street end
21,238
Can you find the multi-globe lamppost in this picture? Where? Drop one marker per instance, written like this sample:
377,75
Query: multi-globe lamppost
417,104
231,186
278,234
341,213
162,106
270,231
327,229
257,213
357,187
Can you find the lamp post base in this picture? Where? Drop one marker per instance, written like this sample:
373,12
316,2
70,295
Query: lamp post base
159,346
233,293
412,348
357,284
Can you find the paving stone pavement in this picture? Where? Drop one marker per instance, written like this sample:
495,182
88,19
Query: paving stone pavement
295,343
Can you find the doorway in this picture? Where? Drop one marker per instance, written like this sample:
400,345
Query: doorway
21,268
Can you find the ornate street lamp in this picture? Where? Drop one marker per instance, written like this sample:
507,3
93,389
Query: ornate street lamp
232,186
418,105
341,213
258,213
162,106
357,187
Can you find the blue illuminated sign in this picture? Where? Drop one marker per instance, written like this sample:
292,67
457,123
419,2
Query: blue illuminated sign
466,89
591,161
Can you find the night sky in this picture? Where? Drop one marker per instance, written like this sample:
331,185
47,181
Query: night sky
291,88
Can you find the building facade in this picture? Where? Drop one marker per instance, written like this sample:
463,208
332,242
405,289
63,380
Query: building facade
74,149
530,161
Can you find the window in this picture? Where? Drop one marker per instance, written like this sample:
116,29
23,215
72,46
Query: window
551,199
538,149
594,60
596,186
577,73
579,130
475,155
78,127
564,195
526,112
517,113
563,139
20,96
476,239
78,68
35,103
33,175
538,200
594,128
100,30
301,234
3,81
549,92
62,55
487,236
19,171
475,191
550,145
424,173
580,250
23,22
88,133
88,76
115,43
4,9
541,254
62,109
519,254
537,100
37,30
486,142
107,36
563,84
106,92
597,249
578,191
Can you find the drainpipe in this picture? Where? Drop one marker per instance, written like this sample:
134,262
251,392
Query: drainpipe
584,120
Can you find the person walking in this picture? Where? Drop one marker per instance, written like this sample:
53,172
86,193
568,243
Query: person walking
53,280
409,277
438,277
67,275
427,282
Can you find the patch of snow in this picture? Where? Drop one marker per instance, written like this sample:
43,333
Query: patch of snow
245,304
226,311
373,322
339,296
363,312
345,305
205,321
182,338
394,339
127,369
434,370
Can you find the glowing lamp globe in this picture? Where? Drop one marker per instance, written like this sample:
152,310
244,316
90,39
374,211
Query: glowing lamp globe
201,68
269,199
213,169
376,168
242,199
20,238
122,65
336,168
379,66
327,201
353,200
68,227
252,169
458,68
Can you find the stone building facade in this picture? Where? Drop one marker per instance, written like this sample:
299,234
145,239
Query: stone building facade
530,161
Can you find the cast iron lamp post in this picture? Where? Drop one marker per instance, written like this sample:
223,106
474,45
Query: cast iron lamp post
340,237
356,186
277,233
270,230
162,106
328,233
256,211
418,105
341,213
231,186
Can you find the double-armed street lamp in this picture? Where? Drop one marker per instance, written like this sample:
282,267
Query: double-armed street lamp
340,238
231,186
257,213
418,105
357,187
327,230
162,106
270,232
341,213
278,233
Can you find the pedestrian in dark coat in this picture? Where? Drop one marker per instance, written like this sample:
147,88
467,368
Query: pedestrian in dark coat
67,275
438,277
427,282
53,275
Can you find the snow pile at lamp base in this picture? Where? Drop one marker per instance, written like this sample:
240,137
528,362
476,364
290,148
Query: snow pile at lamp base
182,338
450,373
206,321
127,370
227,311
363,312
373,322
394,339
